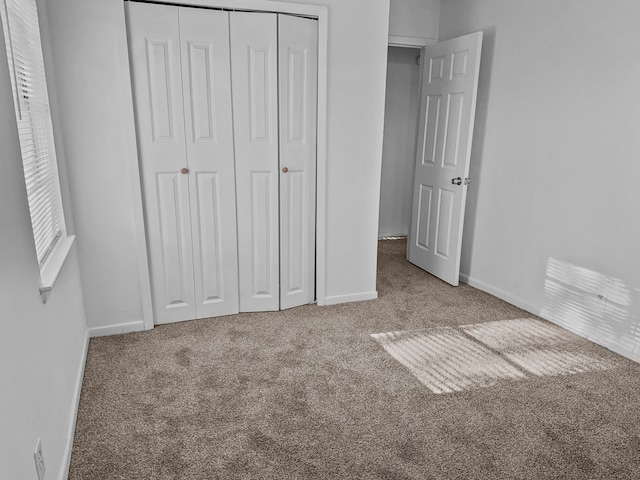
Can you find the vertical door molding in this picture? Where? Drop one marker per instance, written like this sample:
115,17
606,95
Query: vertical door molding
131,147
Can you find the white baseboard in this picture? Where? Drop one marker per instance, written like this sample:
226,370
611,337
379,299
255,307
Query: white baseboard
520,303
630,354
117,329
350,297
501,294
73,415
392,234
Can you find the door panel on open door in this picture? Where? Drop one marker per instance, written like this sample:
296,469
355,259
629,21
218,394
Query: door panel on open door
450,83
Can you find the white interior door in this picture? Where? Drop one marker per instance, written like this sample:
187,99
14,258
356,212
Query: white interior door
254,69
298,60
206,74
154,43
449,88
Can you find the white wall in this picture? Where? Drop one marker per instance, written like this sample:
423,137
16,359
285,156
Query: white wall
89,48
414,18
91,64
42,347
400,141
552,215
358,36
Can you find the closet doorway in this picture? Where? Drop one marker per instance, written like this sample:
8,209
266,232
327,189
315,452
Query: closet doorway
226,115
448,88
402,108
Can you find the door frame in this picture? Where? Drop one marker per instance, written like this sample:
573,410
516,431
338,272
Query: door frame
417,43
410,42
321,13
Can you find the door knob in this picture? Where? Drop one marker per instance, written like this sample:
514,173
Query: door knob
456,181
285,169
184,170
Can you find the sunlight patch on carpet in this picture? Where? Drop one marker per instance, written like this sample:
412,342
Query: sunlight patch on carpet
452,359
538,347
445,360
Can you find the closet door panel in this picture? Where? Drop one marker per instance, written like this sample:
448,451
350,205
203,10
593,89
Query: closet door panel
175,239
216,279
255,119
154,44
204,37
298,60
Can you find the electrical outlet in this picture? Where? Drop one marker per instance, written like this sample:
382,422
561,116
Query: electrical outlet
38,456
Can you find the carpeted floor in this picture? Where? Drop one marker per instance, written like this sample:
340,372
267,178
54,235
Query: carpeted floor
308,393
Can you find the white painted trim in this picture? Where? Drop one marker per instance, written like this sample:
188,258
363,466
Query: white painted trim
53,266
73,414
351,297
520,303
501,294
321,159
631,355
410,42
322,14
392,234
255,5
131,145
117,329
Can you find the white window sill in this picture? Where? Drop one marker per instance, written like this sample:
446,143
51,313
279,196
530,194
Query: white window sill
53,266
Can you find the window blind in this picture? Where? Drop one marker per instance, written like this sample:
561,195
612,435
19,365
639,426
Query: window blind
26,66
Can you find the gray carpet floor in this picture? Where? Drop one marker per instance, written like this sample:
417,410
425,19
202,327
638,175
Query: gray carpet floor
309,394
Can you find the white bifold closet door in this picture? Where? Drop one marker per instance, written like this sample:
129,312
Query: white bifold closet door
254,49
274,71
298,66
228,178
180,63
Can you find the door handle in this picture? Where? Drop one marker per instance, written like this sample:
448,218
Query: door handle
456,181
184,171
285,169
